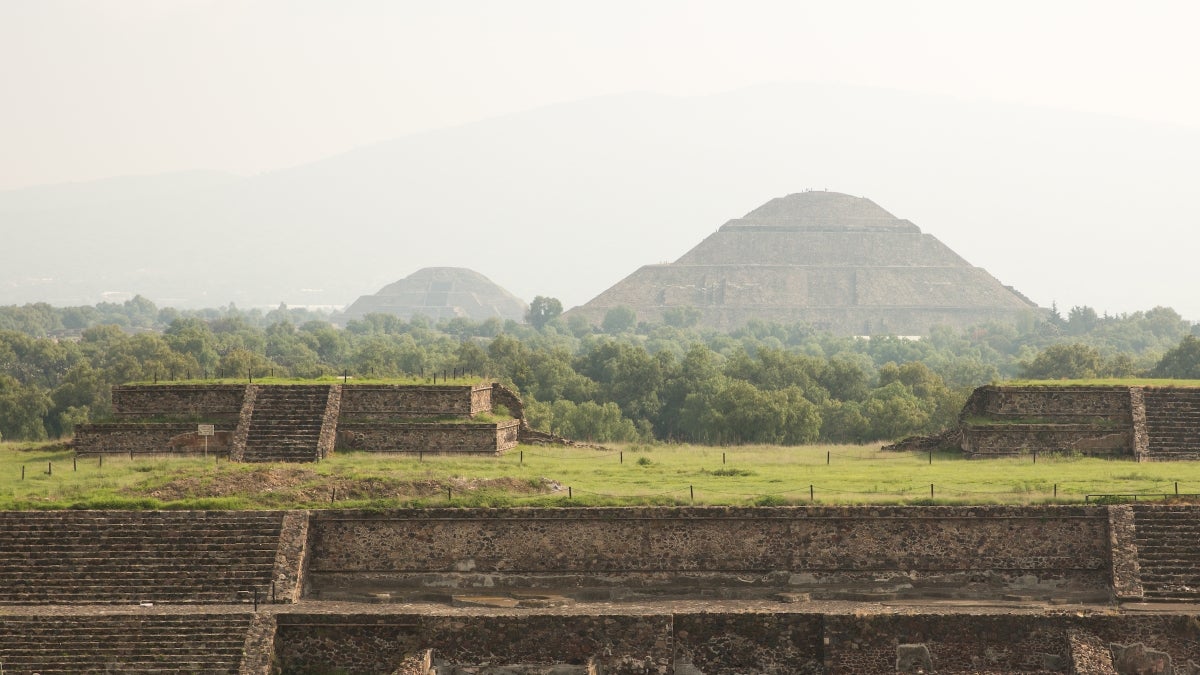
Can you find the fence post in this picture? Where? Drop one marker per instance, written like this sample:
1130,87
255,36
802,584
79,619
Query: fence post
621,459
521,461
692,493
931,490
722,458
811,494
449,495
50,469
22,472
569,495
827,455
74,463
1056,490
931,457
1176,488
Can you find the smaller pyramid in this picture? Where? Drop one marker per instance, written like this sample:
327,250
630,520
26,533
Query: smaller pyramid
441,293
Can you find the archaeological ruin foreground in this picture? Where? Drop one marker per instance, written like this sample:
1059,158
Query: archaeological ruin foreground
1146,423
305,422
983,589
836,262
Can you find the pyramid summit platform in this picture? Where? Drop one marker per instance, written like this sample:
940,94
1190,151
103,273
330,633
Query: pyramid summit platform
835,261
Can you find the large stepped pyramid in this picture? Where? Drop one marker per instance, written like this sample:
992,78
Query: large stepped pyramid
1173,422
834,261
1168,545
120,557
208,644
287,422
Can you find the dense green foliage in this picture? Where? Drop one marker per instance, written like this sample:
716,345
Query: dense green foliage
764,383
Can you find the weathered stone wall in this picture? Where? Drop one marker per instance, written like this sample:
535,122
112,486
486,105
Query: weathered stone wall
431,437
329,421
719,643
1063,404
366,401
502,395
1011,420
898,551
149,438
1008,439
208,401
371,643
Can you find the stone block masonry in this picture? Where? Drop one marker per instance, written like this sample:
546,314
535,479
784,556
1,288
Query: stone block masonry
211,402
362,402
301,422
429,437
1146,423
623,553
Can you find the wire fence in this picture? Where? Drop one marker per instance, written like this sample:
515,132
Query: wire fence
1045,489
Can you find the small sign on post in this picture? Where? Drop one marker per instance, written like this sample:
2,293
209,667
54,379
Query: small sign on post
206,430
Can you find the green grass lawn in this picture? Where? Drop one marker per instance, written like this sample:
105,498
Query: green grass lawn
559,476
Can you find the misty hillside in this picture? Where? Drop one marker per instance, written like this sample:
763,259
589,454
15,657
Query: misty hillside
567,200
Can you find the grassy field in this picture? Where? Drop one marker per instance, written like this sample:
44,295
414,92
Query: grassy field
557,476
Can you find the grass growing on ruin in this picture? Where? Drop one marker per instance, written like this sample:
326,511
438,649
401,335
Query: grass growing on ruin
559,476
1103,382
463,380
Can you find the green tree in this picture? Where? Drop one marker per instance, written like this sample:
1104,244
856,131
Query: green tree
1068,361
543,310
1181,362
619,319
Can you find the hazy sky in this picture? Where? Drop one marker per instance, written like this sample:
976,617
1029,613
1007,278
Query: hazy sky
102,88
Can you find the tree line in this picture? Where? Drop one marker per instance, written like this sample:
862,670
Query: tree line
622,381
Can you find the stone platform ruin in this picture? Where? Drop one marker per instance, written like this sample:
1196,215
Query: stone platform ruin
629,591
304,423
1146,423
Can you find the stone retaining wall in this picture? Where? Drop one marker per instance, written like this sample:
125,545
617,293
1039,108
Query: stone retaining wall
430,437
208,401
364,401
149,438
1052,401
1002,440
735,552
370,643
719,643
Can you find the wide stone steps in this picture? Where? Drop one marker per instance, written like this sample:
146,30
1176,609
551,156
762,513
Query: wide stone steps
286,424
139,644
1168,541
115,557
1172,421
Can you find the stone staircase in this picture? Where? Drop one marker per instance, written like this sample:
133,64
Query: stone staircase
286,424
1173,423
1168,545
85,557
123,643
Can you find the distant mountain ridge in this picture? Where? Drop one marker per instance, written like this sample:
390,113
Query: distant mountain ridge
566,200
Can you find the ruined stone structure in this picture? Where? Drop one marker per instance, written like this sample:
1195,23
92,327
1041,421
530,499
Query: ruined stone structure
837,262
441,293
303,423
618,591
1146,423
